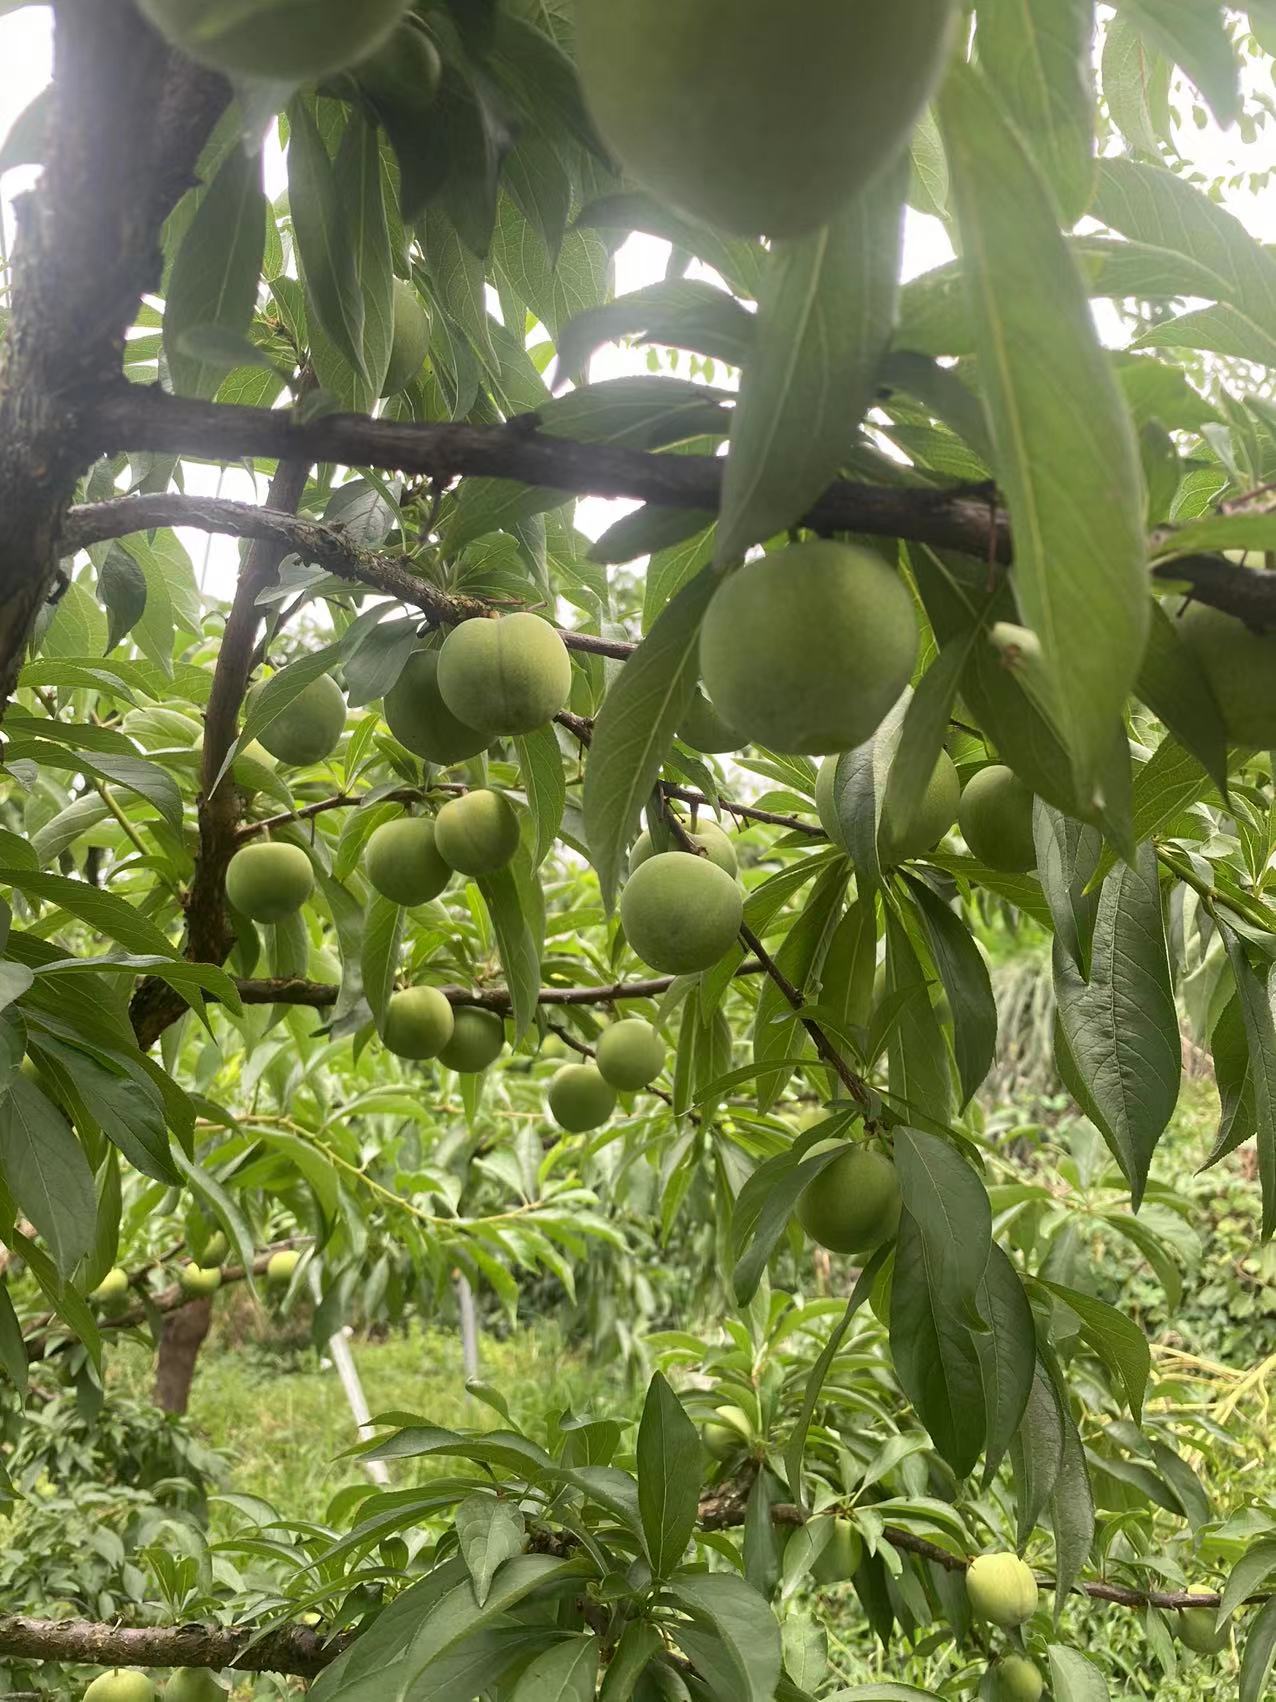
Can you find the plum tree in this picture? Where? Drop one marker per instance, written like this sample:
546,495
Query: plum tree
995,817
193,1684
934,815
290,40
1240,666
267,882
1001,1589
807,649
680,913
477,833
281,1265
478,1038
1017,1679
309,728
198,1281
630,1054
579,1098
707,836
121,1684
704,729
418,1023
726,111
403,862
841,1555
411,344
420,720
727,1432
506,676
853,1205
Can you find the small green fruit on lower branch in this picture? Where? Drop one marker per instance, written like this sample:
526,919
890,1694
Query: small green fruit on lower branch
853,1205
198,1281
416,714
214,1251
1002,1589
935,814
113,1289
807,649
840,1557
418,1023
121,1685
268,882
758,117
631,1054
403,862
1240,666
1017,1679
290,41
680,913
1198,1632
579,1098
281,1266
193,1684
506,676
995,817
310,728
477,833
708,837
411,327
727,1432
477,1039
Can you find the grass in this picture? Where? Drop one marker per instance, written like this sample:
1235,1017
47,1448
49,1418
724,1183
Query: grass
280,1417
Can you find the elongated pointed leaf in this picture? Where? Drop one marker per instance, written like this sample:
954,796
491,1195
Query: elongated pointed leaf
1036,1453
44,1168
214,278
1259,1656
1067,456
745,1647
1071,1507
1260,1033
1036,54
967,984
670,1468
490,1532
329,263
566,1673
1007,1355
825,315
1075,1679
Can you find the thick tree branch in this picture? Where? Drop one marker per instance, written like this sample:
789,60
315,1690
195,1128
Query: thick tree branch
130,417
1247,593
321,994
294,1649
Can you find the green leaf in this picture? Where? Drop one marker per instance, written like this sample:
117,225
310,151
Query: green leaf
745,1642
1194,35
677,312
129,1112
762,1211
826,310
269,700
1253,1569
639,1644
358,175
382,938
635,729
1116,1339
45,1170
514,903
1260,1034
1136,86
121,588
62,1298
1260,1654
1036,55
776,1026
329,262
1074,1678
103,911
670,1470
13,1351
1007,1355
919,1075
796,1445
1068,854
566,1673
1067,456
888,1692
490,1531
214,279
924,728
545,780
1036,1453
945,1237
966,981
1071,1507
1121,1027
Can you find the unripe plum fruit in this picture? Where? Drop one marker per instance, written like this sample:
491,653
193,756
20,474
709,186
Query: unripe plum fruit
289,41
198,1281
995,817
478,1037
935,814
729,1430
112,1291
310,728
680,914
853,1205
403,863
807,649
630,1054
193,1684
1198,1630
416,714
753,118
268,882
506,676
477,833
840,1557
579,1098
281,1266
1017,1679
707,837
123,1684
1001,1589
418,1023
411,342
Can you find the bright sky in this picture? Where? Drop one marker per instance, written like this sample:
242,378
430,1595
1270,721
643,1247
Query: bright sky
25,60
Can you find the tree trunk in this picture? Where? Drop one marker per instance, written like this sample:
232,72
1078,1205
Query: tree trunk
184,1334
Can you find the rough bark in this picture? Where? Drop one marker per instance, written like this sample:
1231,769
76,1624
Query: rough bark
292,1649
184,1334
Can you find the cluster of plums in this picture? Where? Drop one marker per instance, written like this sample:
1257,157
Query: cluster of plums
198,1278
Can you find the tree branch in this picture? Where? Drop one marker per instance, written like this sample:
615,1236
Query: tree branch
130,417
321,994
294,1649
